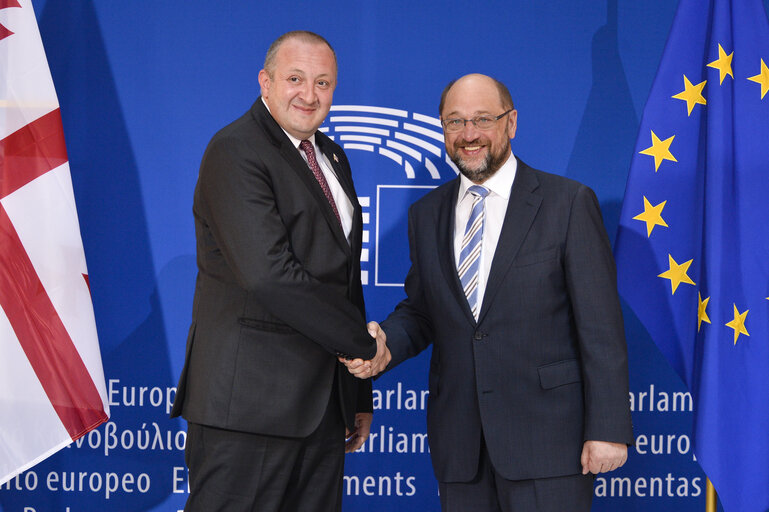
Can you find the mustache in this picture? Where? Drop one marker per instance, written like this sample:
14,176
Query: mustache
475,142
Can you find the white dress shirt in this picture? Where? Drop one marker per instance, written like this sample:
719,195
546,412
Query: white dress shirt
343,204
495,204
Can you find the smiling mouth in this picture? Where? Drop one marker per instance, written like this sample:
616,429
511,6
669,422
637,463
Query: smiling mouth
471,150
305,109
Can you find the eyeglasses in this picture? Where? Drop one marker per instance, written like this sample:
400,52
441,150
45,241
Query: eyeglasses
455,124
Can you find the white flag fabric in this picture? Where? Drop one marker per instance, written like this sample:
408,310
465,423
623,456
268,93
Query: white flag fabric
52,387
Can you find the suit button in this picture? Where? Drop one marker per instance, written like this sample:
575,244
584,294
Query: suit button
478,336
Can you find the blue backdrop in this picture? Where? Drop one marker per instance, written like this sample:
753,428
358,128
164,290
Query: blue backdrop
144,84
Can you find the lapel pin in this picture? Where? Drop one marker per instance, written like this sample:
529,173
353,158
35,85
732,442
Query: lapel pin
335,158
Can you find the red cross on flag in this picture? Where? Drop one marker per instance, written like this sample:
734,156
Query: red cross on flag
51,380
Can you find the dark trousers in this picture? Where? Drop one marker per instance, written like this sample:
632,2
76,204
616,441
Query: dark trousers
242,472
489,492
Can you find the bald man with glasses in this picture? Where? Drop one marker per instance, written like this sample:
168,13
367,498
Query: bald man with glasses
513,283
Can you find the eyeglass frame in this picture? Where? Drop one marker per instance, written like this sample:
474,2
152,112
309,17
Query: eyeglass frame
473,120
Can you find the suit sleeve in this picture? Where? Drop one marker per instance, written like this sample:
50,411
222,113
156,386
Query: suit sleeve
365,401
592,284
408,328
237,192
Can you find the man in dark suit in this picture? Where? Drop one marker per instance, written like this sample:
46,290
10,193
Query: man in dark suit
513,282
278,298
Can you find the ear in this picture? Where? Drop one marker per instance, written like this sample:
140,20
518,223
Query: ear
512,123
264,83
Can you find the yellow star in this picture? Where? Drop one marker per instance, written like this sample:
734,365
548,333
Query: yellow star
723,64
738,324
762,78
652,216
677,273
702,314
692,94
660,150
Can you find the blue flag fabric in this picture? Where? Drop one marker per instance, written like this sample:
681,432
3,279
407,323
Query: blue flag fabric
693,244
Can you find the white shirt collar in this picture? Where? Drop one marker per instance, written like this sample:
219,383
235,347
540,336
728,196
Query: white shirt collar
500,183
293,139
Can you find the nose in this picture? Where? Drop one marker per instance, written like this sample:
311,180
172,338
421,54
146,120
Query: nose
307,93
470,131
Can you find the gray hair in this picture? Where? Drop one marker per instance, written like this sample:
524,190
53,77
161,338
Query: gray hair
504,95
304,36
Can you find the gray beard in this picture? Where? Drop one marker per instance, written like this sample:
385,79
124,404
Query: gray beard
486,170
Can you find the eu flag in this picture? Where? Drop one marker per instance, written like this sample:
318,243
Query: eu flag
693,244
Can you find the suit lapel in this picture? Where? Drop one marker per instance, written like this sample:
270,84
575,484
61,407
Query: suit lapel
344,176
300,167
521,210
445,226
297,164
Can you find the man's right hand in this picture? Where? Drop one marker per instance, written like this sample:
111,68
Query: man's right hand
365,369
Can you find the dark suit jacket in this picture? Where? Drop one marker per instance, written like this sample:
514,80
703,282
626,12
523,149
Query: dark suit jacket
278,293
545,366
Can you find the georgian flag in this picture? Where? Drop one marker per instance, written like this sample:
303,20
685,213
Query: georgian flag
51,380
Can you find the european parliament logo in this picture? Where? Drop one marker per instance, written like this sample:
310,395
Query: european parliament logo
396,157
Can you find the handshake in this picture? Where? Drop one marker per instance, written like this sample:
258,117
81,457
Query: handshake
365,369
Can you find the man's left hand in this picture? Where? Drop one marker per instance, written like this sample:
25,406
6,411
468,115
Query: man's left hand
602,456
358,436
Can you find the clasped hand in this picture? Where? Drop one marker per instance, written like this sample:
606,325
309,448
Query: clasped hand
365,369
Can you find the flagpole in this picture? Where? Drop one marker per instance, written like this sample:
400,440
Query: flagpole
711,498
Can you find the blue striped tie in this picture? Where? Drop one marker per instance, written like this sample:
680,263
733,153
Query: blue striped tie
470,253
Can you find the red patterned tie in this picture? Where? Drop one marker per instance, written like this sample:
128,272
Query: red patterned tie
306,146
